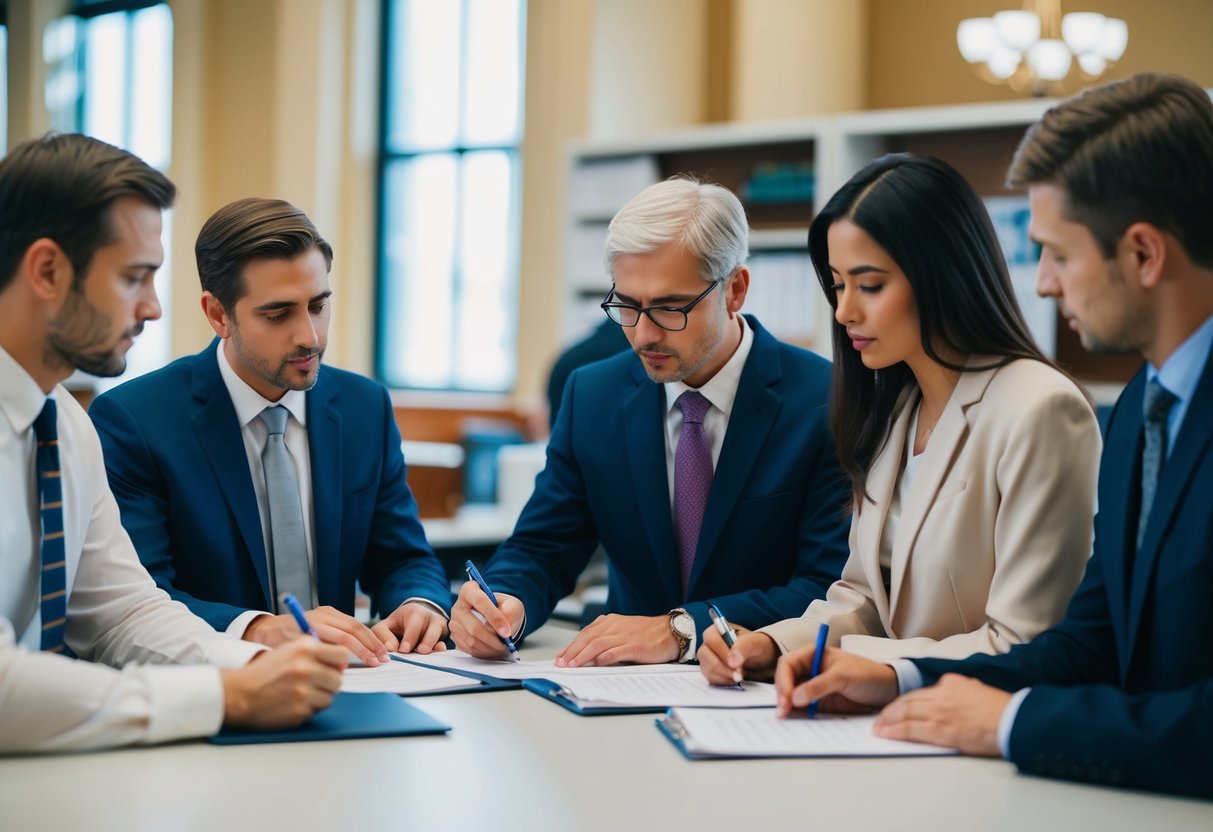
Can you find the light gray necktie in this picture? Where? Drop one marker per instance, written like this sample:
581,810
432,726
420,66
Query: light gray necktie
1157,407
288,555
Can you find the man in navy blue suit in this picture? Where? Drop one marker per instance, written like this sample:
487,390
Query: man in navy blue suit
246,470
1120,181
700,460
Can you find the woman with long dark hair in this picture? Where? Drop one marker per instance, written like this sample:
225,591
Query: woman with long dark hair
972,458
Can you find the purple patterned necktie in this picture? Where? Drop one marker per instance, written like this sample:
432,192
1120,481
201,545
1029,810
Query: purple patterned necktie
692,480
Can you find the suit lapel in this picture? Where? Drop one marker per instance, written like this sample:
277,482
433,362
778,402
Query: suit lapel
882,480
644,433
1120,466
1190,448
755,408
215,424
945,442
324,451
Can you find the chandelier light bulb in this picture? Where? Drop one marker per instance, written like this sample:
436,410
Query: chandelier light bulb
1003,63
1049,60
1115,39
1083,32
1018,30
1092,64
977,38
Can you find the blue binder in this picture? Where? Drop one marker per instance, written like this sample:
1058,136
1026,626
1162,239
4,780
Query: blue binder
352,716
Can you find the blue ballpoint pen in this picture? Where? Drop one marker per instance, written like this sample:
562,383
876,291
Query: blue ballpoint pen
823,633
726,632
474,574
292,603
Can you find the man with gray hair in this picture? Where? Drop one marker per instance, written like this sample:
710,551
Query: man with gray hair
705,469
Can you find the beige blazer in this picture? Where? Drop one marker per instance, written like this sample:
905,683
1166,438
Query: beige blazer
994,535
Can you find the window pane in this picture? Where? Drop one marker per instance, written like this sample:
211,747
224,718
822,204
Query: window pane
486,294
63,81
423,59
106,105
151,116
491,100
418,270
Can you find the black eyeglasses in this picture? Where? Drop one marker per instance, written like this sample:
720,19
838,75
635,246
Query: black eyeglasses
672,318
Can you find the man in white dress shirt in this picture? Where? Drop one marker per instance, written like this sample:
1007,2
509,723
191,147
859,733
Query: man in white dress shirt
80,225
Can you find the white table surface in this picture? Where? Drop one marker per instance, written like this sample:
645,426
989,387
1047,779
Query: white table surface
516,762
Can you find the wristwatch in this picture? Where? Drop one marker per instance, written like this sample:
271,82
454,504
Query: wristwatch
683,628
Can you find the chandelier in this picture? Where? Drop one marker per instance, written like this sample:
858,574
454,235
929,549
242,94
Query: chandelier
1033,49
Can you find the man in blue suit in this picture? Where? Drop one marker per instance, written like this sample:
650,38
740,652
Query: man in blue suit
246,470
701,460
1121,691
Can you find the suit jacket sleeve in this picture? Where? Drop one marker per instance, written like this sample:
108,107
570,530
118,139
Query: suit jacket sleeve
399,563
1162,741
555,535
138,487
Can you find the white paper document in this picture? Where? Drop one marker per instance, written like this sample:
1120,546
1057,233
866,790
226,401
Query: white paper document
719,733
505,669
659,690
398,677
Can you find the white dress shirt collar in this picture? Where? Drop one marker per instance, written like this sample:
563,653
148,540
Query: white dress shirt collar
249,403
720,389
21,399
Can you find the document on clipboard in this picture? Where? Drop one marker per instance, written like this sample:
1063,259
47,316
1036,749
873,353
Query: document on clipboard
651,692
701,733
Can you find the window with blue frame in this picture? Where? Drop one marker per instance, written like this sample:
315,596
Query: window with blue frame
450,194
110,75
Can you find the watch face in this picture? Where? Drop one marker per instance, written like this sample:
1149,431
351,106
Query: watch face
684,625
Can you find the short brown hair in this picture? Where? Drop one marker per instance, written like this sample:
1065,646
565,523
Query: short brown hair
1135,150
61,187
252,229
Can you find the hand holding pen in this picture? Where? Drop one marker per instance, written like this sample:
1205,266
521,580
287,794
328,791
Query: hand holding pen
727,633
470,626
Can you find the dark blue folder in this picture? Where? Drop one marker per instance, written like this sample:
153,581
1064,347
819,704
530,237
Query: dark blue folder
486,682
352,716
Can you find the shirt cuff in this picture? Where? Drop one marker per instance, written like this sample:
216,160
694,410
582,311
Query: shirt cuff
1007,721
909,677
241,622
186,702
417,599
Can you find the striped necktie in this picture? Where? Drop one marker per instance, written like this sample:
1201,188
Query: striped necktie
54,564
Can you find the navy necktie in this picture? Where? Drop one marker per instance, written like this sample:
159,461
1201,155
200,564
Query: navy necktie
692,480
1157,407
54,563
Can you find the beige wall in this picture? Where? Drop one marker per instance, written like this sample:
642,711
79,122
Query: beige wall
913,58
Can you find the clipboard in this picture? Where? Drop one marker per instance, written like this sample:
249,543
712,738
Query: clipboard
352,716
675,729
487,683
562,696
